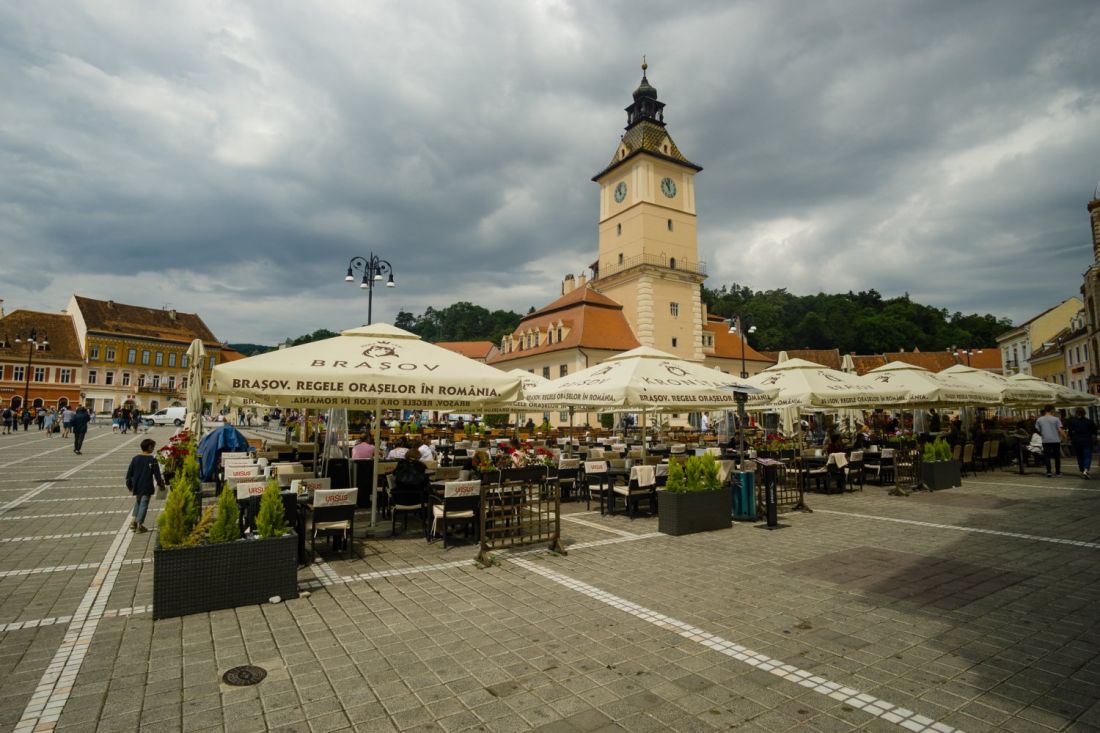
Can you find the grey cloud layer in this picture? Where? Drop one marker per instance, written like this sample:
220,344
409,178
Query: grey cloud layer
230,158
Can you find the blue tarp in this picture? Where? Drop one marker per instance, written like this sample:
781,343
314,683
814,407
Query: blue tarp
226,439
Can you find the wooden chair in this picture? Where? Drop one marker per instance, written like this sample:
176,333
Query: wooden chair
568,473
595,479
334,517
881,467
967,459
853,472
459,503
642,485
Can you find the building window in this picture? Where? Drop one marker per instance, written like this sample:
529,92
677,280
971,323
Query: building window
93,353
546,372
563,370
171,382
141,380
559,335
1077,351
125,379
18,374
66,376
145,356
159,358
674,342
672,262
110,354
620,258
1085,352
172,360
183,382
93,376
563,416
619,232
40,374
670,225
674,309
109,378
131,356
549,336
156,381
213,361
183,361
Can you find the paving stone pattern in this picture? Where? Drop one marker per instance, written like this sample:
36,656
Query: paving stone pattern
842,621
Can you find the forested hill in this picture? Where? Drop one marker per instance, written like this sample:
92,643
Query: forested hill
864,322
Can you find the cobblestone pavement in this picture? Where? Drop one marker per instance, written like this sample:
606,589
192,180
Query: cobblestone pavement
974,609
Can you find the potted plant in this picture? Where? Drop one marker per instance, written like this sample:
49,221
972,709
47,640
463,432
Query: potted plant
937,469
203,564
693,499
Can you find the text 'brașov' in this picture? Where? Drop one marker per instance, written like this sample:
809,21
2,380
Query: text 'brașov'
405,366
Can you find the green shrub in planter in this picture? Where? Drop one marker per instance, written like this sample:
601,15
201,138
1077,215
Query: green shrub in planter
271,519
693,499
226,527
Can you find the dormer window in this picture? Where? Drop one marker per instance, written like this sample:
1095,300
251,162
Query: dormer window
672,262
620,258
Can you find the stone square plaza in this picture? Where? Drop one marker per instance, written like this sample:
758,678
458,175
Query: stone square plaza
970,609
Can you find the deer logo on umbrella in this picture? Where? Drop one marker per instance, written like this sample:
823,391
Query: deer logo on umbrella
380,350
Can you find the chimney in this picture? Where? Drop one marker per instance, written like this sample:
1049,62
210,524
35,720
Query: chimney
568,284
581,280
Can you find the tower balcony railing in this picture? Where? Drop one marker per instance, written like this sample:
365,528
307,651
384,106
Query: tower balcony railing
667,263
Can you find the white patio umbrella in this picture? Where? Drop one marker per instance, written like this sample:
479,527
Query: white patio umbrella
1012,393
1060,395
196,356
645,379
924,388
809,386
372,367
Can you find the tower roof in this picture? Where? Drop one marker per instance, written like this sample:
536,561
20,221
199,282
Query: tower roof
645,131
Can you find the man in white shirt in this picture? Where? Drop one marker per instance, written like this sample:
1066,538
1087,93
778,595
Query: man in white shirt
426,452
1050,430
397,453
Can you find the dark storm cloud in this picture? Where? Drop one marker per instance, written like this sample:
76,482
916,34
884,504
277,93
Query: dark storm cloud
230,158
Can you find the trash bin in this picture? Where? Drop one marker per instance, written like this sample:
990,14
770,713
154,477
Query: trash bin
743,488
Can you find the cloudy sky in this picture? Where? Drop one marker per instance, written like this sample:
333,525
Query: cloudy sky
230,157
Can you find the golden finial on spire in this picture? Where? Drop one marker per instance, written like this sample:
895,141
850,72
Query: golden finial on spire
644,65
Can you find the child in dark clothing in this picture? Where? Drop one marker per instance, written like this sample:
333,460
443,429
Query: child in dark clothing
142,478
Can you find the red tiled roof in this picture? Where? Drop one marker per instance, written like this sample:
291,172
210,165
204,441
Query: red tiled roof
57,328
933,361
989,358
594,320
866,363
471,349
107,316
825,357
229,355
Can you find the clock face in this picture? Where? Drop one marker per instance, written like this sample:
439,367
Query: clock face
620,192
668,188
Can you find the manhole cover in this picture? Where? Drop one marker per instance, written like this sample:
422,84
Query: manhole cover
244,676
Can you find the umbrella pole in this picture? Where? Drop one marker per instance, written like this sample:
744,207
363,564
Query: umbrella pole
645,429
374,472
569,437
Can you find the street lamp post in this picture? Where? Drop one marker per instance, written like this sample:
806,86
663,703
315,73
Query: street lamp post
968,352
736,326
373,269
33,345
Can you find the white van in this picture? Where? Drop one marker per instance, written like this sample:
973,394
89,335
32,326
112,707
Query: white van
167,416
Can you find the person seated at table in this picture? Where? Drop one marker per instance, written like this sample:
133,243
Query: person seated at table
410,473
398,451
426,452
530,425
836,445
363,450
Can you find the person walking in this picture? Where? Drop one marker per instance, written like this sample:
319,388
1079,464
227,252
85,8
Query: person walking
8,417
28,418
1050,429
66,421
48,421
1082,436
79,427
142,479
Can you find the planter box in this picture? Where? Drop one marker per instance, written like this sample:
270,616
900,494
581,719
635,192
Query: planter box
211,577
936,475
693,511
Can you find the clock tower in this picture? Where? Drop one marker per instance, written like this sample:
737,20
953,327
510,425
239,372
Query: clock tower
649,256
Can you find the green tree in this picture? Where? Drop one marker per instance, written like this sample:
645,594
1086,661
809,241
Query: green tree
226,527
271,519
